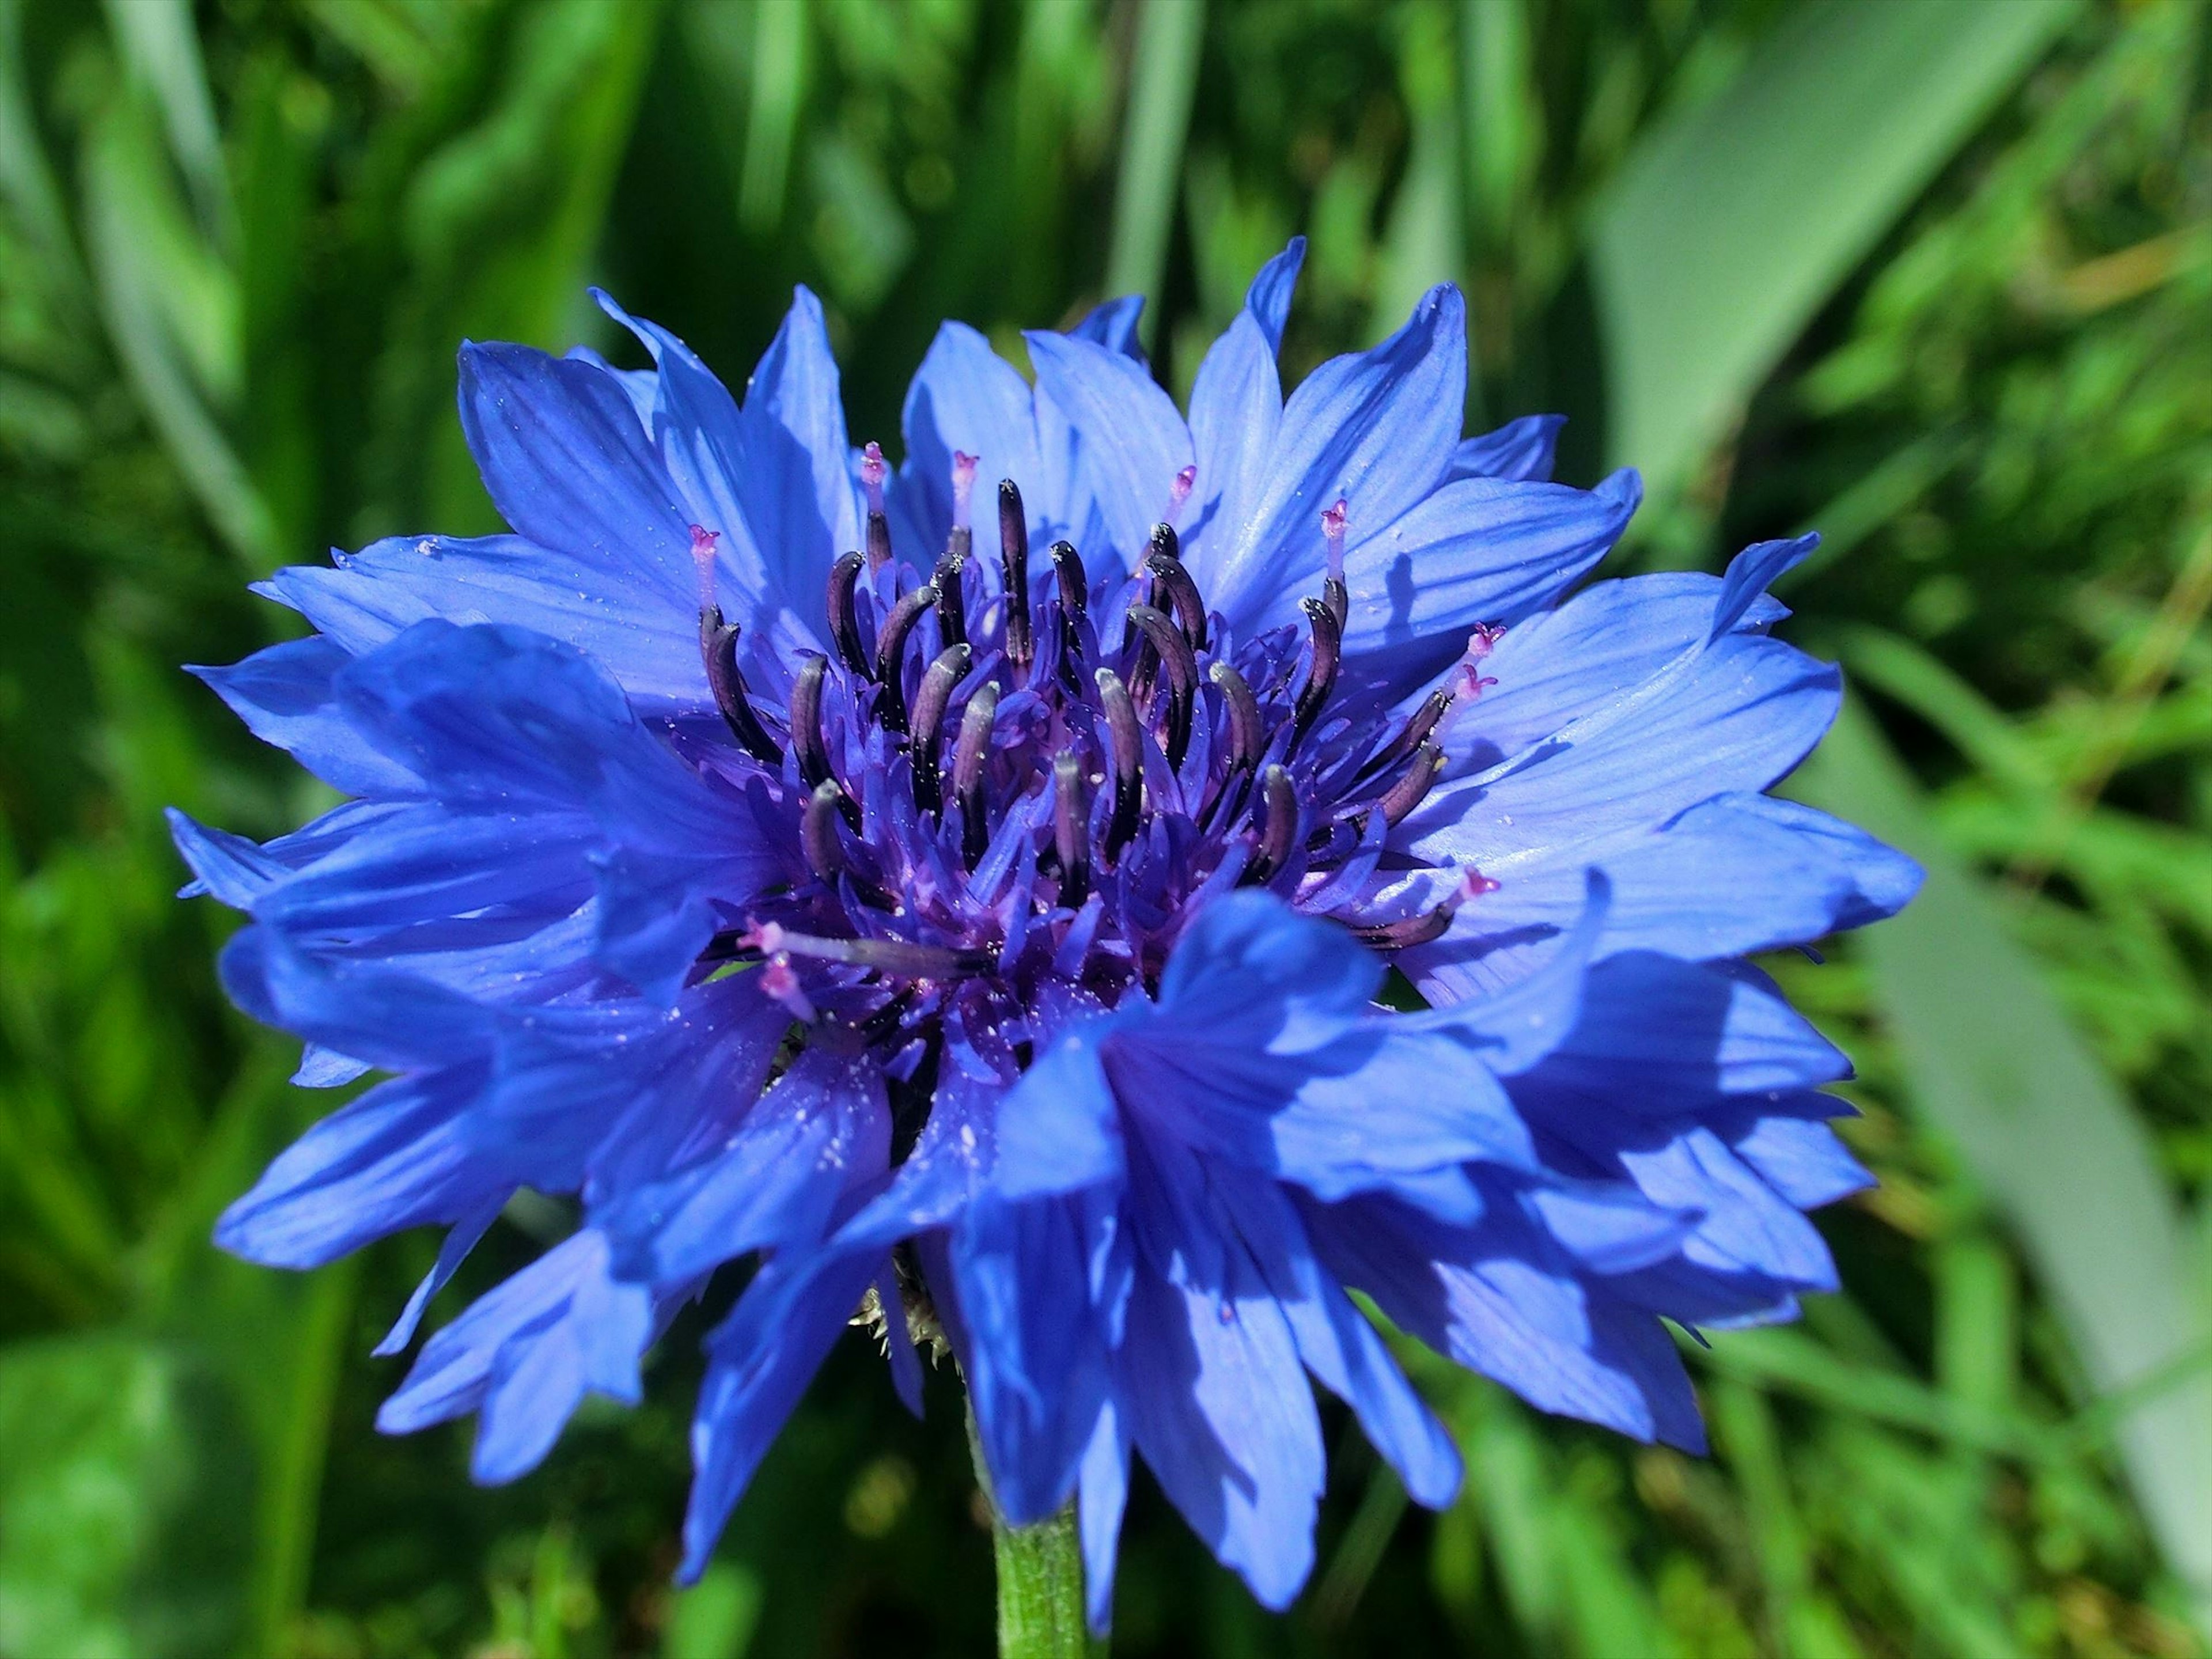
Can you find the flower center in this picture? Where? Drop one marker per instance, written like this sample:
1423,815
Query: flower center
988,787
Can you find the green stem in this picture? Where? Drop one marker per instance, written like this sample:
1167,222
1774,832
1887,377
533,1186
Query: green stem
1040,1579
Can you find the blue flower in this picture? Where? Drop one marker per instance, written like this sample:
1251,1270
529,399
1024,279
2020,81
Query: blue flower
990,937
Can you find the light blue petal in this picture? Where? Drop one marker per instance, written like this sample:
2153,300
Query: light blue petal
1131,440
1378,429
558,444
1478,551
1519,449
285,695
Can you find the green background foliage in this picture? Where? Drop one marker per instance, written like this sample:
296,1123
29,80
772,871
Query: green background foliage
1932,276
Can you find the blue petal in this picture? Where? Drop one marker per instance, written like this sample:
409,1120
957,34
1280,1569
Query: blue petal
1101,1496
799,500
1235,408
1059,1128
1519,449
1378,429
1267,302
635,630
1036,1361
1660,1037
558,444
966,398
774,1181
525,1355
395,1021
1250,972
399,1156
1478,551
1112,324
1338,1344
760,1359
1794,1150
1218,1404
461,1238
1751,573
1131,440
285,695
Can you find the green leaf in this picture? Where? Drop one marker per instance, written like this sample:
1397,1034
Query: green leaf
1734,222
1162,79
122,1502
1991,1061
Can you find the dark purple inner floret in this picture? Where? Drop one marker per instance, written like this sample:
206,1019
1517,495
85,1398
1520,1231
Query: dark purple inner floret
1001,797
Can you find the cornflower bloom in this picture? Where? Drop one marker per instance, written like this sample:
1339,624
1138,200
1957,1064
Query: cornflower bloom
981,926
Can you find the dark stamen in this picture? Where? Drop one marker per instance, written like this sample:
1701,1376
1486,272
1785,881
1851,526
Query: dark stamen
844,615
1014,550
718,643
1279,833
1407,931
806,738
1335,595
1175,654
817,830
951,604
1248,741
890,652
969,755
1321,676
1070,829
1408,791
1167,569
1126,740
947,672
879,541
1414,732
1074,583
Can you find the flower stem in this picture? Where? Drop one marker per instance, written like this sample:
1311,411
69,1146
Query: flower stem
1040,1579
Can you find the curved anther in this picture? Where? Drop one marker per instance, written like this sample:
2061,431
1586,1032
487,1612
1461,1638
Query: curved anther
952,602
1014,553
718,644
938,681
1125,739
1070,829
1403,796
1072,599
817,830
1175,654
1414,733
891,653
1277,832
1321,676
1338,598
970,756
1163,562
844,615
1074,582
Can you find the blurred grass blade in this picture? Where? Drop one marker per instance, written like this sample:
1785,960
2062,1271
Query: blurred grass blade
1734,221
1424,244
27,181
777,88
161,50
1992,1061
172,310
1162,77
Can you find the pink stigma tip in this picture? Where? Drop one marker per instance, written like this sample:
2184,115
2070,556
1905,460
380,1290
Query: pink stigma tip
1484,639
873,469
780,982
1335,520
1474,884
964,485
1185,481
702,556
